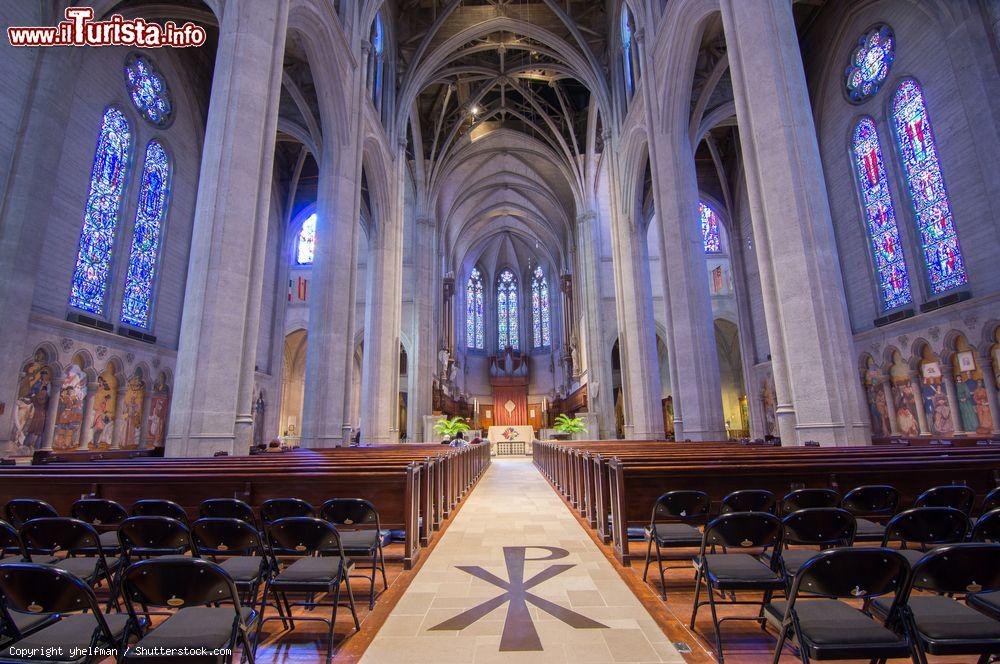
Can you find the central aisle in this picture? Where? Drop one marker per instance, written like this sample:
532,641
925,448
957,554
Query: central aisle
515,578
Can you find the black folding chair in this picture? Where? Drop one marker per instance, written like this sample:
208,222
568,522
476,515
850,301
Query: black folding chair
823,627
738,572
801,499
160,507
991,502
21,510
312,573
871,505
749,500
72,616
201,600
987,528
105,516
227,508
927,527
939,623
956,496
144,537
282,508
818,528
674,525
361,534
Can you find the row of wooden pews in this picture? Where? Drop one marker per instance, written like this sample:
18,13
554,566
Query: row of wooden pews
414,487
614,484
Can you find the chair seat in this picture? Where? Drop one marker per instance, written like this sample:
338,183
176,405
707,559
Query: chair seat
988,603
74,631
84,567
109,541
732,571
38,559
869,531
832,625
362,541
941,618
243,569
677,534
794,559
323,570
26,623
195,627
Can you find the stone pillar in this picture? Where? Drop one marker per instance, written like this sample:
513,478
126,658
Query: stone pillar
948,379
118,435
819,396
383,311
568,338
598,358
86,432
423,355
212,402
448,291
925,429
55,389
890,403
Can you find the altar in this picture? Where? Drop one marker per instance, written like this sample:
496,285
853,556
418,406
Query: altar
510,440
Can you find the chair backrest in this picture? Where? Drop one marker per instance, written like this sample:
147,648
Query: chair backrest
282,508
354,513
303,536
21,510
987,528
871,500
10,540
60,534
45,590
992,501
959,569
958,496
145,536
860,573
683,505
178,583
226,537
227,508
819,526
927,525
800,499
743,530
98,511
749,500
159,507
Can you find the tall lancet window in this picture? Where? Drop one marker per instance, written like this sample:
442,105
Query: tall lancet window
628,65
880,216
709,228
540,316
918,152
378,59
475,333
305,244
100,219
507,319
154,192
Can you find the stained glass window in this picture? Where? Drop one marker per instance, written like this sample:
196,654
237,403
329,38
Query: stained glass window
709,228
378,55
870,62
627,67
918,152
540,316
475,334
880,216
154,190
148,89
100,218
507,321
305,246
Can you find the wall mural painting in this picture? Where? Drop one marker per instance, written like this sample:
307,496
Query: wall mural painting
904,398
769,406
995,354
104,405
878,408
32,405
940,418
69,418
135,394
970,391
159,407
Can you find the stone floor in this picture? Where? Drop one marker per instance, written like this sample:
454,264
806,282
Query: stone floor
516,579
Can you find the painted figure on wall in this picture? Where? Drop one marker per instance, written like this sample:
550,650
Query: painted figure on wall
970,391
259,412
878,409
31,409
769,404
940,418
135,394
104,406
159,407
69,419
904,397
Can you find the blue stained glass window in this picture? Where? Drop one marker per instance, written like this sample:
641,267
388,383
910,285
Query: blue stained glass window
378,54
475,336
540,315
137,301
148,89
880,216
709,228
870,62
508,333
918,152
100,218
305,246
628,72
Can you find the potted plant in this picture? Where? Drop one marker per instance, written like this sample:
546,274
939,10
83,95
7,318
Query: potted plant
567,426
450,427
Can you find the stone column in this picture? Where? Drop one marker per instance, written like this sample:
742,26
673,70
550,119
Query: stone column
819,397
568,338
423,355
915,382
448,291
118,435
890,403
55,389
213,393
948,381
86,432
383,311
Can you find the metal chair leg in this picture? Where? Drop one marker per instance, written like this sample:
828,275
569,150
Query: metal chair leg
715,624
697,596
663,579
781,644
649,549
